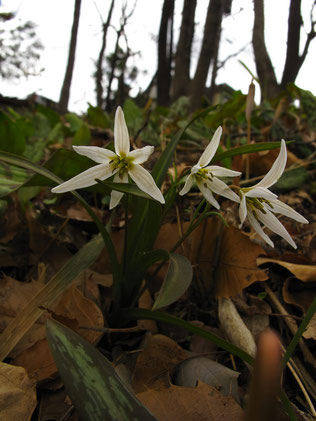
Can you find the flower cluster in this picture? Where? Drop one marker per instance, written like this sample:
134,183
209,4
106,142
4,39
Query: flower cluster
257,203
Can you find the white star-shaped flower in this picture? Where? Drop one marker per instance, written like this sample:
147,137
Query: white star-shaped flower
122,163
259,204
206,176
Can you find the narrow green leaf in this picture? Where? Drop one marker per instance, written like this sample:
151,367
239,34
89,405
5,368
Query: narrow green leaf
125,188
246,149
92,383
48,294
176,282
140,313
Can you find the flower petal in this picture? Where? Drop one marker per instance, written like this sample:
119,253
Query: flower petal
211,148
85,179
257,227
219,187
121,136
207,193
276,170
222,172
270,221
242,208
283,209
141,155
187,186
261,192
145,182
116,196
100,155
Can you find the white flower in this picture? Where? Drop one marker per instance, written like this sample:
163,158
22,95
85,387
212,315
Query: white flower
258,203
122,163
206,176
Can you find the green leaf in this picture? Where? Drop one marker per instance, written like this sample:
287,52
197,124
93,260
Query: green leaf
125,188
91,382
292,179
246,149
12,138
11,178
74,122
141,313
176,282
82,136
26,317
97,117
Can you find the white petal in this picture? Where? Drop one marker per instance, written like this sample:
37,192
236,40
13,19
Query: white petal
261,192
85,179
270,221
211,148
141,155
257,227
187,186
283,209
100,155
145,182
276,170
121,136
222,172
219,187
242,209
116,196
207,193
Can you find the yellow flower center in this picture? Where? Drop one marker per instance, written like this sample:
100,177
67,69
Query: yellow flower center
124,163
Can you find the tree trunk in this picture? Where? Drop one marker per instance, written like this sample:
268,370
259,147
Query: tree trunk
65,91
265,71
165,40
181,80
212,29
99,72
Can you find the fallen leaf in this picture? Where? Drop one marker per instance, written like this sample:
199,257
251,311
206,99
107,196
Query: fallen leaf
36,358
306,273
203,402
155,362
200,368
17,393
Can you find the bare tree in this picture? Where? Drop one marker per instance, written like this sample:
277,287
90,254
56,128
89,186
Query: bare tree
294,60
268,82
181,80
99,71
165,41
65,91
209,46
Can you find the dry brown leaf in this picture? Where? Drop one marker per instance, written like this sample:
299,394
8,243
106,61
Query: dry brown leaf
155,362
36,357
305,273
17,393
203,402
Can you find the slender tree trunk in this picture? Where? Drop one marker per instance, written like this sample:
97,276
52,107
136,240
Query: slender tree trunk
99,72
265,71
212,29
65,91
181,79
165,53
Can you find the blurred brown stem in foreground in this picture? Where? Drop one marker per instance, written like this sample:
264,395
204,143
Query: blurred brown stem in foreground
265,382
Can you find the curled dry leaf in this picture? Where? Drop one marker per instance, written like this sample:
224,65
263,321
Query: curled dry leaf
299,290
234,327
200,368
203,402
17,393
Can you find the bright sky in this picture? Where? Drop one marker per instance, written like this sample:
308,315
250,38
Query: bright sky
54,20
